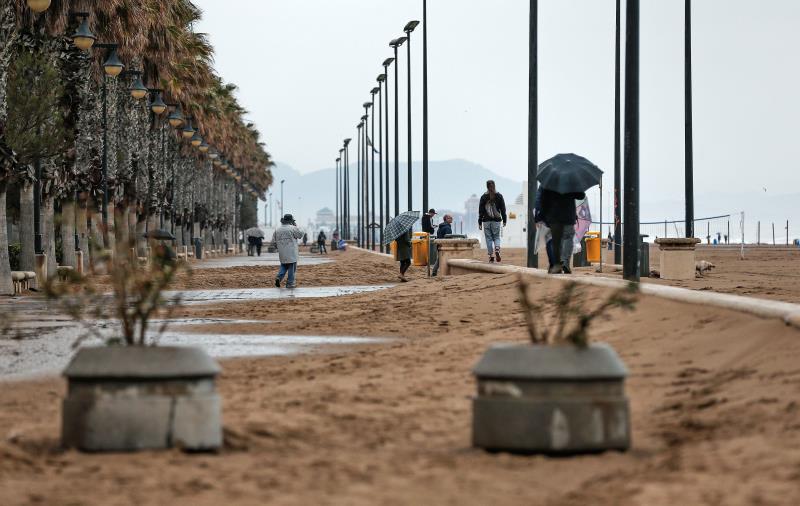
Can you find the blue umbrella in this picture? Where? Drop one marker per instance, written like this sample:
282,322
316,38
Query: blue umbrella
568,173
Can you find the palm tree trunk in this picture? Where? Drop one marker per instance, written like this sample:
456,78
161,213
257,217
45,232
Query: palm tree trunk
68,233
49,234
27,255
6,286
81,223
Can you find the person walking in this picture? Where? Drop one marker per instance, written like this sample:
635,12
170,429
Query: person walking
321,238
305,239
285,240
404,254
445,228
561,216
491,212
258,244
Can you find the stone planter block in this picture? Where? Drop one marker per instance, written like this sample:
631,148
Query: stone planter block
133,398
450,249
677,257
550,399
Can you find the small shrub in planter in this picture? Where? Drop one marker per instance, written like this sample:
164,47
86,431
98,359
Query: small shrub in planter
559,394
131,394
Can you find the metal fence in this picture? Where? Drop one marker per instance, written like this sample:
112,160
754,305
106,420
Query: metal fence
722,229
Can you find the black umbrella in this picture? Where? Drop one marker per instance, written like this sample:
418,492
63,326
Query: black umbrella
160,235
568,173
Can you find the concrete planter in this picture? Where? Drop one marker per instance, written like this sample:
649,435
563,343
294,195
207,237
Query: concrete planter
550,399
126,398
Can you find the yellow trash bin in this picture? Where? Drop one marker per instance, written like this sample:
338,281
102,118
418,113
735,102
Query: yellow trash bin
593,246
419,249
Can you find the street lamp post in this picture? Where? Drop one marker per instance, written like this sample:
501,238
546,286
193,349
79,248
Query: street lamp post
336,194
689,145
408,29
396,43
425,105
347,187
617,147
282,214
630,251
533,130
359,196
112,68
386,64
365,174
381,79
371,145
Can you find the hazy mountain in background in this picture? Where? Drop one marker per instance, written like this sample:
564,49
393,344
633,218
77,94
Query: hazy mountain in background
452,182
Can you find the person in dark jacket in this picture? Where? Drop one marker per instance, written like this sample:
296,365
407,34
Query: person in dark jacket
539,218
560,214
427,221
404,254
445,229
491,212
321,238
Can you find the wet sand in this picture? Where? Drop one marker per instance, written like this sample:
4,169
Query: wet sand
715,400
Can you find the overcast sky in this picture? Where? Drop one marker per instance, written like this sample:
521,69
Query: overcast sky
304,67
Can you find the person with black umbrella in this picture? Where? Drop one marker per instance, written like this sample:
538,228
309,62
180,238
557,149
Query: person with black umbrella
564,179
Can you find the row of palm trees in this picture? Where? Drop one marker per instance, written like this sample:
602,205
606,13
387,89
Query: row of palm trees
161,144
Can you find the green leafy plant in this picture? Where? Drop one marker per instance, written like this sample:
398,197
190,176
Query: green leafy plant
137,292
566,318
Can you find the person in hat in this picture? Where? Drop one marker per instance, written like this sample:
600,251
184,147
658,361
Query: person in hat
427,221
285,241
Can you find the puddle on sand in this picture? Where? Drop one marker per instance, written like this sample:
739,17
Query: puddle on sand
50,351
206,296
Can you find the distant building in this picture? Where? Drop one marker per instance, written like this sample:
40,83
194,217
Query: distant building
471,214
325,218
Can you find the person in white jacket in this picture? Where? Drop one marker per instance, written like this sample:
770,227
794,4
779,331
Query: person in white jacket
285,240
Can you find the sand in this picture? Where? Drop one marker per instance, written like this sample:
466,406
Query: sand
765,271
715,400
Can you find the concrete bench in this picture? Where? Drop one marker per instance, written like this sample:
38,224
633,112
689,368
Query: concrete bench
63,271
677,257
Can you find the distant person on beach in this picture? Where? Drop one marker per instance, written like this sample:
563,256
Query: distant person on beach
610,241
321,238
561,216
259,242
445,229
404,254
285,240
491,212
305,238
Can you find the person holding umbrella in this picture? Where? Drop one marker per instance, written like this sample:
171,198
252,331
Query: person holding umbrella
564,179
399,229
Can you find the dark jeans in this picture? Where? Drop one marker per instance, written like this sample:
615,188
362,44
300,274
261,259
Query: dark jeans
321,246
562,242
404,265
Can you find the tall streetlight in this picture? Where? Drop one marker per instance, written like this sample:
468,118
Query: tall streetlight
112,67
386,64
347,187
630,251
336,194
396,43
617,147
282,214
408,29
365,174
381,79
689,141
425,105
533,130
341,193
374,91
359,188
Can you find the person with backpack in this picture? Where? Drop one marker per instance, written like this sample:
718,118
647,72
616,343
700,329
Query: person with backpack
492,212
321,238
